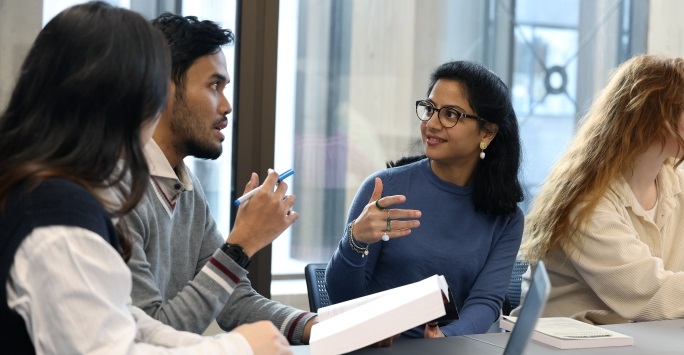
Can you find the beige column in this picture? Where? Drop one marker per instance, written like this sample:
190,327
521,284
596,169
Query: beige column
665,28
20,22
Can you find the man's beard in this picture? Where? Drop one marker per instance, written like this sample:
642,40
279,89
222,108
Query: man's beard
197,150
185,124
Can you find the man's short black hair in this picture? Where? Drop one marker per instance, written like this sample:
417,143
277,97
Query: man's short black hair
190,39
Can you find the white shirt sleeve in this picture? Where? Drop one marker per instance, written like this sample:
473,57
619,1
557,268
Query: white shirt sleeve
73,291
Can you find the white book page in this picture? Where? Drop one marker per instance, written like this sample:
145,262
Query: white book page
379,319
568,328
444,286
328,312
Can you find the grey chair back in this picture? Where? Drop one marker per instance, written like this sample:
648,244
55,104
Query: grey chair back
315,286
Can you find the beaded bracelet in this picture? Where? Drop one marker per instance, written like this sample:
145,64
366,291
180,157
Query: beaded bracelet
352,242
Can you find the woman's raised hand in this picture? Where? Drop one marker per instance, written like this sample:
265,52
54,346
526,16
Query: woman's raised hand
379,222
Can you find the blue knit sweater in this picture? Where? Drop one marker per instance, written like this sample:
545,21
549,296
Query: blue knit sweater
474,251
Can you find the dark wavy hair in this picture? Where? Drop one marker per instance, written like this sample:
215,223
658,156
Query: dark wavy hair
496,187
189,39
94,75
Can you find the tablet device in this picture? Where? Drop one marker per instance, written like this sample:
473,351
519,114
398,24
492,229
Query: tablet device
531,310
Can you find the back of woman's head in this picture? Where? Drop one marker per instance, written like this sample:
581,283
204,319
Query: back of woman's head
93,76
496,188
641,106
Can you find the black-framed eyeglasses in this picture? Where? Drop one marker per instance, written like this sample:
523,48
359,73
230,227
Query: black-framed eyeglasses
448,116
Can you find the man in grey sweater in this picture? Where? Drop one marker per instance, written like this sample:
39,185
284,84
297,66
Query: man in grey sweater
185,273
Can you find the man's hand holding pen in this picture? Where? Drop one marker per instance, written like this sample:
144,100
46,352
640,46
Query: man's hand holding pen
264,215
248,195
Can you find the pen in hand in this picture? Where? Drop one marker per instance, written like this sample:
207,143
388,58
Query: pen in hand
249,195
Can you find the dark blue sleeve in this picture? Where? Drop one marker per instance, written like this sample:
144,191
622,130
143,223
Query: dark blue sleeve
348,273
482,307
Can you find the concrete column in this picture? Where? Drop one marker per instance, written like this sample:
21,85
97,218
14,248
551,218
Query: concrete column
665,28
20,22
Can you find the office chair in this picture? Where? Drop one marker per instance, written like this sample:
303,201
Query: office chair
315,286
513,293
318,295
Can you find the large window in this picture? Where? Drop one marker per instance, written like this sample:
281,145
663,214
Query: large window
563,53
216,175
350,71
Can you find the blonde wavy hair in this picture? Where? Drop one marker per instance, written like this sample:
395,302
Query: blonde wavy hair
641,105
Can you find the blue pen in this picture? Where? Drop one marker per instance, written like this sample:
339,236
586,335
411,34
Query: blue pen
249,195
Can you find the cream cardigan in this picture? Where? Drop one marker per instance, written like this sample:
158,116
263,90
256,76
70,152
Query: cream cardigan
627,267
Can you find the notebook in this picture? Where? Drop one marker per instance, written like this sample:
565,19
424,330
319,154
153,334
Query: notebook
531,310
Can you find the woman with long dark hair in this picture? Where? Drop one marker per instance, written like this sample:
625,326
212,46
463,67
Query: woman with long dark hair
88,97
452,212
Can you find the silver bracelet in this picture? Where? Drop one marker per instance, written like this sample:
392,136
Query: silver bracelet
353,242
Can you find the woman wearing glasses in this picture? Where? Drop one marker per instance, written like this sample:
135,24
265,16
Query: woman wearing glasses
452,212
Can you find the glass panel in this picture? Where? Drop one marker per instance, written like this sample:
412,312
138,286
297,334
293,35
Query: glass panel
548,55
560,13
542,82
281,262
350,71
543,91
215,175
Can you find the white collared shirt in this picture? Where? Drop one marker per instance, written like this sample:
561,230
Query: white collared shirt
73,291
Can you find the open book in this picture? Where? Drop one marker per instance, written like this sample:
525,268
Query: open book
363,321
568,333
